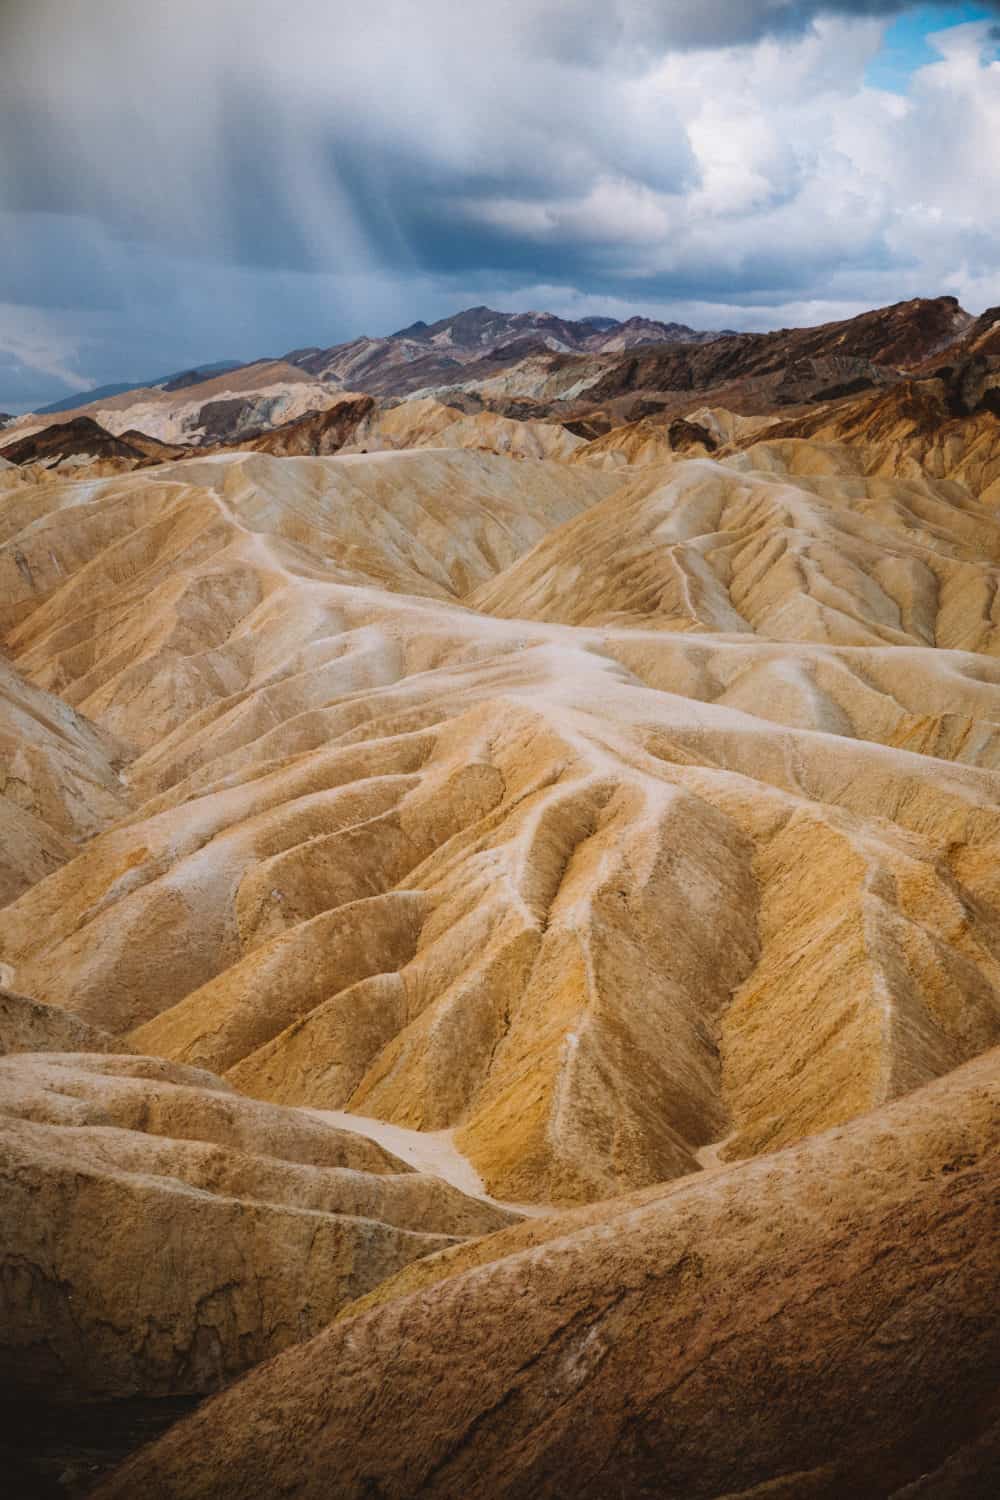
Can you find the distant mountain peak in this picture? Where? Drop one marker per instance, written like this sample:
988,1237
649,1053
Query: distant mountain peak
414,331
432,355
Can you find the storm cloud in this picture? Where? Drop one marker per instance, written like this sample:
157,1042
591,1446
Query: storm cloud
220,179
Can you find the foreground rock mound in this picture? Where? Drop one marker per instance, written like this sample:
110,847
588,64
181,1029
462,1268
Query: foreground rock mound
818,1323
162,1234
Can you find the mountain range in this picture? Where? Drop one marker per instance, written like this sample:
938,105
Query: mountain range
441,347
174,382
590,376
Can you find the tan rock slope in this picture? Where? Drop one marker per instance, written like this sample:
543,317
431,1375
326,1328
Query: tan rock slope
428,423
161,1233
361,425
598,816
58,781
818,1323
28,1025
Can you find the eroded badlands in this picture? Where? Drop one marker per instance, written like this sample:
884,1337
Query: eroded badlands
627,816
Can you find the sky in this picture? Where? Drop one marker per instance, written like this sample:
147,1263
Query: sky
227,179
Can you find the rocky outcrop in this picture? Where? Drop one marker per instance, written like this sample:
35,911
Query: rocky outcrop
28,1025
939,427
81,437
974,386
317,432
162,1234
683,435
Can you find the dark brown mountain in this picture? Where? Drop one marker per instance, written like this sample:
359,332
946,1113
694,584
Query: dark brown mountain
83,436
318,432
152,448
797,365
633,372
916,420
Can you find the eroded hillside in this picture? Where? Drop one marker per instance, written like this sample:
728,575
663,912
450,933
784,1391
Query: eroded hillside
527,799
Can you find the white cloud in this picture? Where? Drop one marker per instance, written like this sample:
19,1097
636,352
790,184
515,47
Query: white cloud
804,172
30,338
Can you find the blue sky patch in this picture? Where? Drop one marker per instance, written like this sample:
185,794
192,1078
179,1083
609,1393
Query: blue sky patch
906,47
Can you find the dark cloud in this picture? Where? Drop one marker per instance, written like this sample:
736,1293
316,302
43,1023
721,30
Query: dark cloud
588,32
210,178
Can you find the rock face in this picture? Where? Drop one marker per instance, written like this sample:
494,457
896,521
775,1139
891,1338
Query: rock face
818,1323
316,433
162,1234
